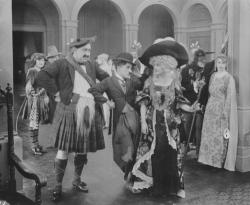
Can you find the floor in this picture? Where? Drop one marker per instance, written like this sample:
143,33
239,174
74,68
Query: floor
204,185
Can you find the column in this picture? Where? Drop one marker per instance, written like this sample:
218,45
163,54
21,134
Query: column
130,33
181,35
6,55
239,52
69,31
6,72
218,31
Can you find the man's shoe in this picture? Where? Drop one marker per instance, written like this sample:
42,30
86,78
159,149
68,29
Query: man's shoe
130,187
56,193
181,193
81,186
36,151
41,149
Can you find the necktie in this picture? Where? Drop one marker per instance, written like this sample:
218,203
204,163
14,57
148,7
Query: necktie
123,85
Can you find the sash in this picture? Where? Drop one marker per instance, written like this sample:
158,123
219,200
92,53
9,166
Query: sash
78,68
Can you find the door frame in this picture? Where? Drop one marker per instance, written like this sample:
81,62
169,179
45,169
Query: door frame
33,28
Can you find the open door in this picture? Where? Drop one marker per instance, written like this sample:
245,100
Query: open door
24,43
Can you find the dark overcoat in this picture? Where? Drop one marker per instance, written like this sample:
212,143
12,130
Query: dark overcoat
125,117
114,91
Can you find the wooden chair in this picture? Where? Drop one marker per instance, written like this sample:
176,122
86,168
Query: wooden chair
11,194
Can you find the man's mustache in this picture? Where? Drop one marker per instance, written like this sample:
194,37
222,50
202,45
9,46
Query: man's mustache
86,56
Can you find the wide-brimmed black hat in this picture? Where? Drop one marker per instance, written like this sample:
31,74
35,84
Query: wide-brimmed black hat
126,57
166,47
199,53
79,42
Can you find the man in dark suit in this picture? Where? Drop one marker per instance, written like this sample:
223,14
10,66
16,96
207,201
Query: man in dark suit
121,88
192,81
77,123
209,69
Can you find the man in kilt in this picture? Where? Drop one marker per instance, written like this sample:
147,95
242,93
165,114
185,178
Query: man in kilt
78,122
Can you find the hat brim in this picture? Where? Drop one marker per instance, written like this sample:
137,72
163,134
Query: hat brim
125,60
50,56
209,52
167,47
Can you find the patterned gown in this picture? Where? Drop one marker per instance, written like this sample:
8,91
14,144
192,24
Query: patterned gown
159,155
213,149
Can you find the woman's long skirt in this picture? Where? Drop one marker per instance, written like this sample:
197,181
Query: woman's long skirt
159,157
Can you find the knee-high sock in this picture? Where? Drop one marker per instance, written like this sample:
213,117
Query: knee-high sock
79,161
33,138
60,166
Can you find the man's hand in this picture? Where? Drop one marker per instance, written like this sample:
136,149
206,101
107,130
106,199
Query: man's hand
198,84
201,83
196,106
111,104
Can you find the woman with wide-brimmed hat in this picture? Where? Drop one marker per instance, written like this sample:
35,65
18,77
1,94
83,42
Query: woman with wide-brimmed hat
159,157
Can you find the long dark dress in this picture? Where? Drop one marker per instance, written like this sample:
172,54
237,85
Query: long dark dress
158,161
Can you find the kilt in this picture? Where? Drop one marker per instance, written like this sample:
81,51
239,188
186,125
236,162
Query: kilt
65,134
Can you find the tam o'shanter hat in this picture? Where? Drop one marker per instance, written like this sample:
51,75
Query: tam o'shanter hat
52,51
165,46
79,42
126,57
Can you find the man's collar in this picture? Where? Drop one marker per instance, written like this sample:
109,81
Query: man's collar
119,77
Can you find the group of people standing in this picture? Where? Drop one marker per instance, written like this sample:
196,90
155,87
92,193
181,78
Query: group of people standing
147,117
214,126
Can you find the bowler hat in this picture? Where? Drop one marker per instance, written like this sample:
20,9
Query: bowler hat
167,46
52,51
126,57
79,42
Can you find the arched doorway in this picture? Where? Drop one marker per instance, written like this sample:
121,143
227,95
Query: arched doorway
224,12
154,22
35,26
101,18
198,26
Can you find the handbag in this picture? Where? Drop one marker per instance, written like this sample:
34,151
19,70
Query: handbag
227,134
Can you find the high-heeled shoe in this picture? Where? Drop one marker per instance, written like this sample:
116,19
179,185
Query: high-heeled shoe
81,186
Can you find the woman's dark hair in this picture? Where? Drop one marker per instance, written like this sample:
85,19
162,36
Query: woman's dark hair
35,57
